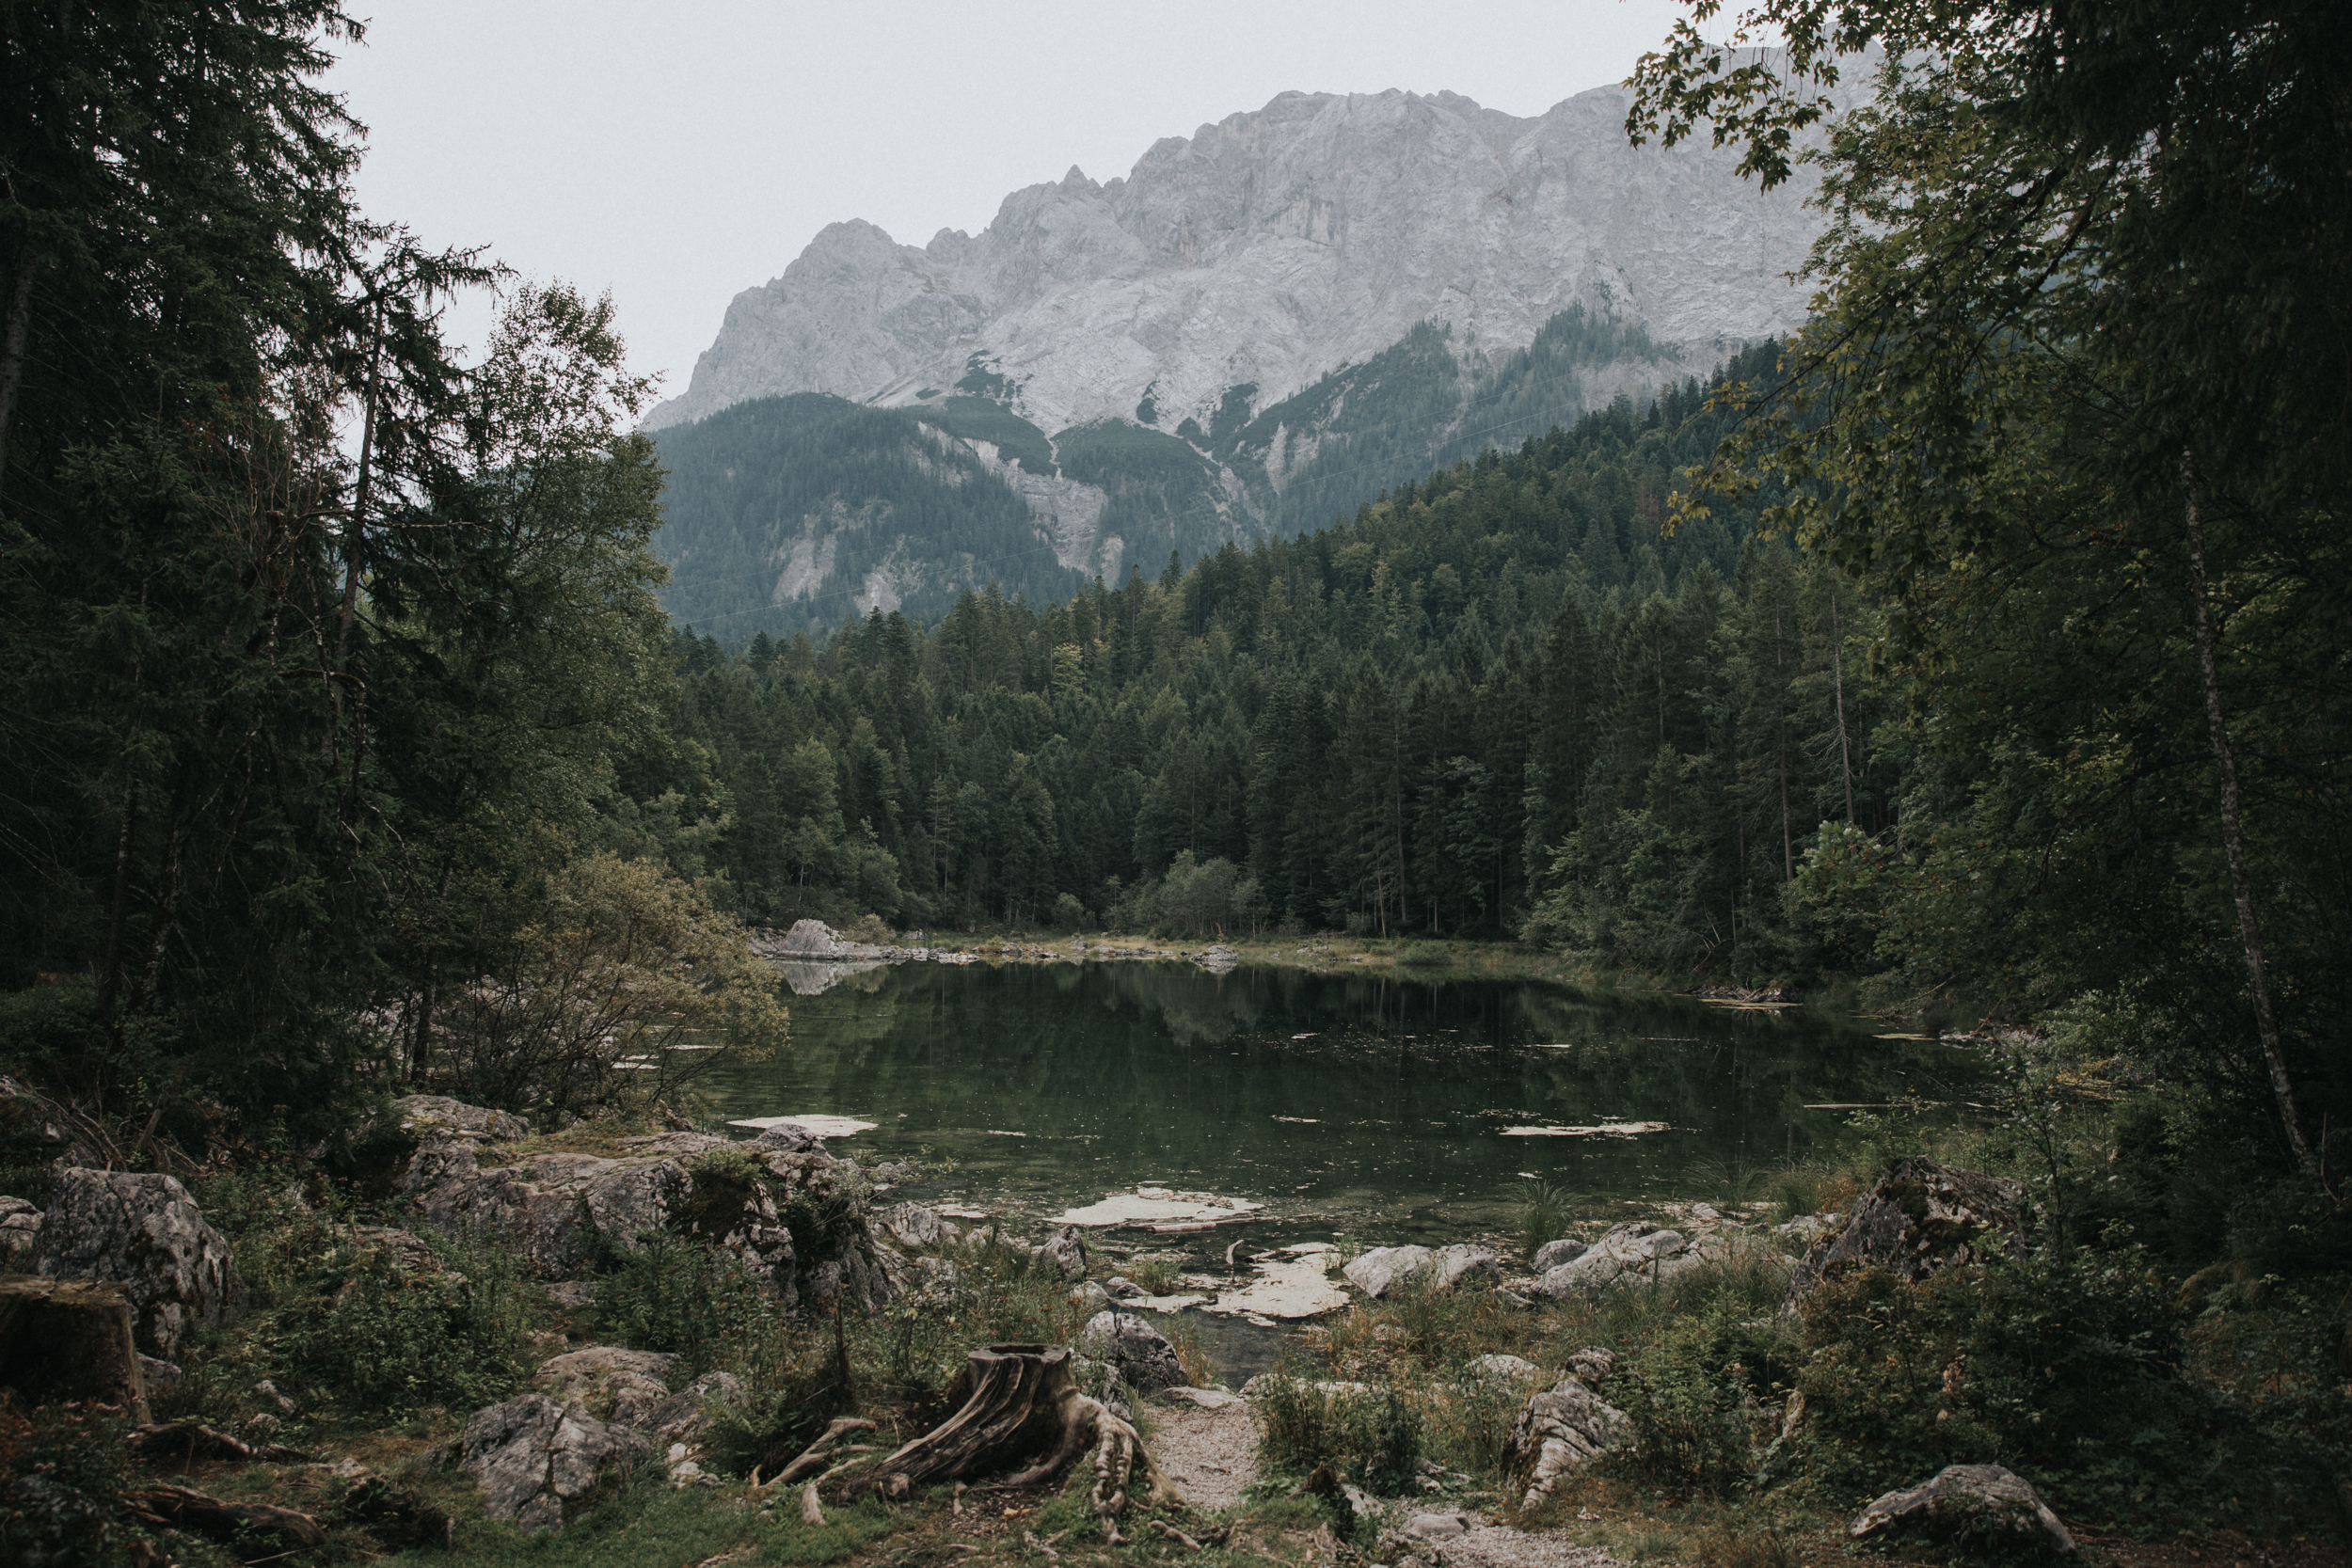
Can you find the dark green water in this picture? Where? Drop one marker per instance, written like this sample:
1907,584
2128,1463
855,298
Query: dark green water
1388,1123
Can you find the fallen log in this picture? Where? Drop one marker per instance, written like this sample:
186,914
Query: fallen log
224,1520
1021,1412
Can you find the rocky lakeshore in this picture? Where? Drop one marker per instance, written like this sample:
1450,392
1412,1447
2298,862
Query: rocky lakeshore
1444,1404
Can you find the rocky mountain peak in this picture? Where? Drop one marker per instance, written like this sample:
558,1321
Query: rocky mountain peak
1269,248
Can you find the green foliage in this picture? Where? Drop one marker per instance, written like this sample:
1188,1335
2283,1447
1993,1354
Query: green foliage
2070,1370
749,483
1373,1437
381,1334
667,1294
1545,1215
61,1469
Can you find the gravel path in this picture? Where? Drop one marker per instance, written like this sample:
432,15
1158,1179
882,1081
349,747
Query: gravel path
1501,1546
1210,1453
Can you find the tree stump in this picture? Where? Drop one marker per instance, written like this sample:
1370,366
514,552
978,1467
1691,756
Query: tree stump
1021,1412
69,1340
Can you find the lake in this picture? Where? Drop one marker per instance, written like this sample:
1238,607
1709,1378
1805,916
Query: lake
1383,1108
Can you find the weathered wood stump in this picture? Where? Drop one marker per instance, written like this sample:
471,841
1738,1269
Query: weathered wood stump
69,1340
1021,1412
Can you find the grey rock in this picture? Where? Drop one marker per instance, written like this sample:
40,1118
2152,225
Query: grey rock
916,1227
1140,1353
532,1457
160,1373
1436,1527
1065,1253
1563,1429
439,1114
1552,1253
19,1227
1380,1270
1459,1262
1273,246
1634,1253
615,1385
1089,1293
1121,1289
1980,1505
1592,1366
1916,1218
1498,1367
145,1234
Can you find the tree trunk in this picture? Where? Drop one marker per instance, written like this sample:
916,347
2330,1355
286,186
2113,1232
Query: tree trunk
69,1340
1838,686
1021,1412
20,318
2241,884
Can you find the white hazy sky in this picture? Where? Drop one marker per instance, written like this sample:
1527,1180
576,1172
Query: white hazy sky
679,153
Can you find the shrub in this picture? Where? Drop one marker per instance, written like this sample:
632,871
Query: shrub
2070,1370
377,1333
60,1467
1374,1438
672,1295
1545,1215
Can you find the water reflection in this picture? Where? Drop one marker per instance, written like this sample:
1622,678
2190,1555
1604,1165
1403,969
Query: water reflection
1342,1102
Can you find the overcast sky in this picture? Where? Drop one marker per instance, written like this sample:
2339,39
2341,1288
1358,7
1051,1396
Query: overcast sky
679,153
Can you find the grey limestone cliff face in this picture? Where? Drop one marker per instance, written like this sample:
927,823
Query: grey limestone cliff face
1269,248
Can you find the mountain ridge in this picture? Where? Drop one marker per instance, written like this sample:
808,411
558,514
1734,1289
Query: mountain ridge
1267,249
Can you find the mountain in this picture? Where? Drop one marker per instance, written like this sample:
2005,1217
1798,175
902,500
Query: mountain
1258,328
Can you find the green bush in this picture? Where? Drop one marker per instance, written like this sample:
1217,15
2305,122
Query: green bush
376,1333
60,1467
672,1295
2070,1371
1374,1438
1545,1215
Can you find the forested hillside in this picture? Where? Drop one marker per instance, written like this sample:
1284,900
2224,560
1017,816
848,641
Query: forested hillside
1499,698
788,513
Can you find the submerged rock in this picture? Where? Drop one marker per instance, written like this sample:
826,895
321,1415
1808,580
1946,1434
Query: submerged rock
532,1457
1917,1218
145,1235
1978,1505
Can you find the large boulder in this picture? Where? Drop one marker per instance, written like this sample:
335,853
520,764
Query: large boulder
791,1215
916,1227
1381,1269
632,1388
1634,1253
1563,1429
1980,1505
1140,1353
1917,1218
144,1234
533,1458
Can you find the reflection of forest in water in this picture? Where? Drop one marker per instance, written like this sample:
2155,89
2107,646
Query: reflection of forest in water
1396,1098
